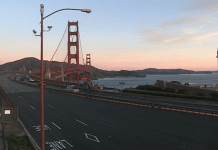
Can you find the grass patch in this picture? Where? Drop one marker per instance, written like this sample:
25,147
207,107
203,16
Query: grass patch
18,143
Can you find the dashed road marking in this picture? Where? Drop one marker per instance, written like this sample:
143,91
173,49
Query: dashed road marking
33,96
32,107
81,122
20,96
50,106
55,125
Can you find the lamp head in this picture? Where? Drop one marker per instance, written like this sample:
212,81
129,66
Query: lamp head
86,10
34,31
42,9
49,27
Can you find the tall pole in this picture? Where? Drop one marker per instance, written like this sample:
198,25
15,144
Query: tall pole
41,87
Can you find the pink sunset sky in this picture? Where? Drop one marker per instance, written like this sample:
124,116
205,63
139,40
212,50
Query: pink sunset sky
119,35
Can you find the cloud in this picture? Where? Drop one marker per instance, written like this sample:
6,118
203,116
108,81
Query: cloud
205,36
196,24
189,20
200,6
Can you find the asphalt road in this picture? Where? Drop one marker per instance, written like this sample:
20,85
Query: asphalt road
81,123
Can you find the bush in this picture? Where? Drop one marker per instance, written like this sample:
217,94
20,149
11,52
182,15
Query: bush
200,94
175,82
17,142
214,95
149,88
169,90
181,91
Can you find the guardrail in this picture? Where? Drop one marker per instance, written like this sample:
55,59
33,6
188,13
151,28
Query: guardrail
4,73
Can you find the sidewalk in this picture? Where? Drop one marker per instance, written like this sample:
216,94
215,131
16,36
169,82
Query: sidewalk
1,130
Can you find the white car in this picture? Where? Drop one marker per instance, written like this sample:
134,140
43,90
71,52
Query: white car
71,88
16,74
31,80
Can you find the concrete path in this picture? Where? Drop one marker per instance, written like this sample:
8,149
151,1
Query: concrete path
1,138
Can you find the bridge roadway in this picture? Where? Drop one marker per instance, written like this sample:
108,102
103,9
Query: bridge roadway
81,123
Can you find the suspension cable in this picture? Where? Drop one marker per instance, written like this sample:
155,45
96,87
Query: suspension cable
81,48
58,45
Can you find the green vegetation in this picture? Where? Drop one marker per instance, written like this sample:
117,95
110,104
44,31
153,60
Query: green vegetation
176,82
176,95
18,142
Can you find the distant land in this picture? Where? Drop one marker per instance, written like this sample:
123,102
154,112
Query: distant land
32,63
152,71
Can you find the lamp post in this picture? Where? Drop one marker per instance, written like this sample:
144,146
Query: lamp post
41,66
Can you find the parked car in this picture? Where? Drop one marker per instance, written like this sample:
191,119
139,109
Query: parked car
31,80
44,83
71,88
22,79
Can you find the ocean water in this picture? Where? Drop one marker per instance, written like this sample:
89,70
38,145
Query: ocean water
193,79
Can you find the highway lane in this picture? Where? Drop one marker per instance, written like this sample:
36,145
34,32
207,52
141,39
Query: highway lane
116,126
148,98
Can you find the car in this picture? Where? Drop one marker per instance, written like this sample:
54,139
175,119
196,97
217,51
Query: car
15,77
16,74
22,79
71,88
31,80
44,83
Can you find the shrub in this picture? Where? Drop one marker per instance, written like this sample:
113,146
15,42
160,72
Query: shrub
175,82
17,142
181,91
200,94
149,88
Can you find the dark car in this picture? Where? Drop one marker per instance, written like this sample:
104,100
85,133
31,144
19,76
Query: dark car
22,79
44,83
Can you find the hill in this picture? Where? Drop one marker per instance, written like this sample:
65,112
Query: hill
33,64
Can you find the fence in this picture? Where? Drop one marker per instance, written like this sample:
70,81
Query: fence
9,102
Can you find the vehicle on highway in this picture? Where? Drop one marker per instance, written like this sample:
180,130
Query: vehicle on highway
15,77
71,88
16,74
44,83
31,80
22,79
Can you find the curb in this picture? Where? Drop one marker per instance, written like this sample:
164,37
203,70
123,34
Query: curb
32,141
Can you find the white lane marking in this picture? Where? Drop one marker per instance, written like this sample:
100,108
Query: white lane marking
92,137
33,96
20,96
56,145
55,125
67,142
81,122
32,107
38,128
50,106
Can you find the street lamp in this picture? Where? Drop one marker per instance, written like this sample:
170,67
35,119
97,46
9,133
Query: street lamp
41,65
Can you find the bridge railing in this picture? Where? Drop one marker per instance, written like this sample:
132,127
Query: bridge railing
9,102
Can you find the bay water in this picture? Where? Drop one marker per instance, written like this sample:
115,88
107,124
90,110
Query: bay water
210,80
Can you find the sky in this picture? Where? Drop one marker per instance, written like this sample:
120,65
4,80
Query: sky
119,34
